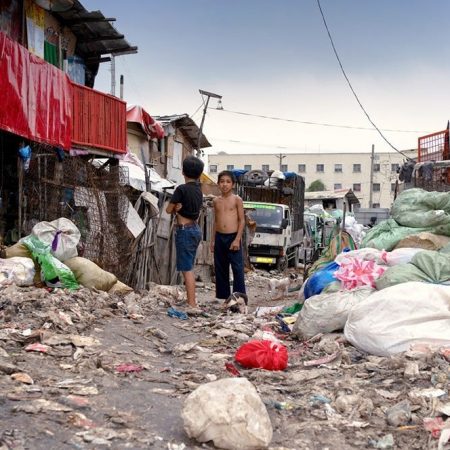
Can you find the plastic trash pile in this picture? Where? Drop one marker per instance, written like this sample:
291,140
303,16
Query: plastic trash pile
385,296
49,257
67,357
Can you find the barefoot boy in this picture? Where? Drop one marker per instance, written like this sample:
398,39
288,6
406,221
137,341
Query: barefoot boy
186,203
226,243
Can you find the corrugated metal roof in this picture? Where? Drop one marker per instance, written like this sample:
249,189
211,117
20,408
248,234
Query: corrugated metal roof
95,34
187,125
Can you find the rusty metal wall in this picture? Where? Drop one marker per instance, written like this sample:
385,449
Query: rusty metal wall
434,147
93,198
99,120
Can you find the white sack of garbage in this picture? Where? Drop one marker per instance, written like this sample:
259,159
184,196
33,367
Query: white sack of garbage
325,313
228,412
62,235
394,319
17,270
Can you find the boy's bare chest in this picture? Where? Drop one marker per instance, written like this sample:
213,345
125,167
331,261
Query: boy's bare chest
226,205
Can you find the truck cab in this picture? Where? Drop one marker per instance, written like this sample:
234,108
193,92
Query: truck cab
275,242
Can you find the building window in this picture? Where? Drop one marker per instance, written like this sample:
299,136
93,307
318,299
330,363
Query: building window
213,168
338,168
230,166
393,187
375,205
337,186
301,168
357,187
376,167
394,167
357,168
376,187
265,167
284,167
247,167
320,168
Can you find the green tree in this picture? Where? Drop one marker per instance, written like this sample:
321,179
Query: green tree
316,185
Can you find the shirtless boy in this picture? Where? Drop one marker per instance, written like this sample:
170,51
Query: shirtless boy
229,222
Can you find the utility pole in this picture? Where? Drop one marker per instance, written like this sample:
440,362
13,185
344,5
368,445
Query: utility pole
121,87
113,75
372,157
200,130
281,157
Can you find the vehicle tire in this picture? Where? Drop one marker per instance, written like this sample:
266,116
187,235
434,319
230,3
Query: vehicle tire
255,177
282,263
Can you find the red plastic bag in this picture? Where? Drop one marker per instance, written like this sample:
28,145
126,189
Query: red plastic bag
262,355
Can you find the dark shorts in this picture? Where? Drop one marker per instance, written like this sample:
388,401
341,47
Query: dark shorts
187,241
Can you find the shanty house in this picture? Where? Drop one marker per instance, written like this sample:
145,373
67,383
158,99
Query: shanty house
53,124
332,199
181,138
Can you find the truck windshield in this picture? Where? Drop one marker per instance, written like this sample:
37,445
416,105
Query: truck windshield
267,216
310,220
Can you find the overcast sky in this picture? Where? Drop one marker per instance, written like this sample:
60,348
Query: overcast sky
274,58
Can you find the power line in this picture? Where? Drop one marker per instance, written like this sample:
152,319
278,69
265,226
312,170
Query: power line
323,124
197,110
350,85
283,147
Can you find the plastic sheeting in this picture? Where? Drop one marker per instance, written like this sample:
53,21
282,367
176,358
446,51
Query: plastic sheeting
36,97
136,174
355,272
151,127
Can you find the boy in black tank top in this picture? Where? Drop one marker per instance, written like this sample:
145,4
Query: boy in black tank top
186,203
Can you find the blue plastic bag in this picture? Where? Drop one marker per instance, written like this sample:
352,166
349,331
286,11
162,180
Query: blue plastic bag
172,312
319,280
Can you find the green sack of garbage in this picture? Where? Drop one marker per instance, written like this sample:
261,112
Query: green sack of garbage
387,234
422,209
402,273
445,250
51,267
435,265
427,266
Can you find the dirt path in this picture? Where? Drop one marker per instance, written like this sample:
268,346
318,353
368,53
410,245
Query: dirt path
80,399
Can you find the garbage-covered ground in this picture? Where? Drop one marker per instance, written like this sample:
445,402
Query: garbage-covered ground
89,370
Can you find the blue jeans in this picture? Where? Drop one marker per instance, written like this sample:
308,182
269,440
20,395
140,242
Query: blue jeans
187,241
223,258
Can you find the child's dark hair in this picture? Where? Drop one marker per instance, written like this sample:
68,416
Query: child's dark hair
227,173
193,167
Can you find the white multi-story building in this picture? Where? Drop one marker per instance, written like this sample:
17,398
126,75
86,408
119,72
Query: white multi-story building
335,170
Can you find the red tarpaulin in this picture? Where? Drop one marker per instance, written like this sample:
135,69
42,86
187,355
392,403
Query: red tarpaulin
35,97
151,127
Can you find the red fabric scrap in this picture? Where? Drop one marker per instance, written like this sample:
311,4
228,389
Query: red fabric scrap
36,347
232,369
129,368
434,425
